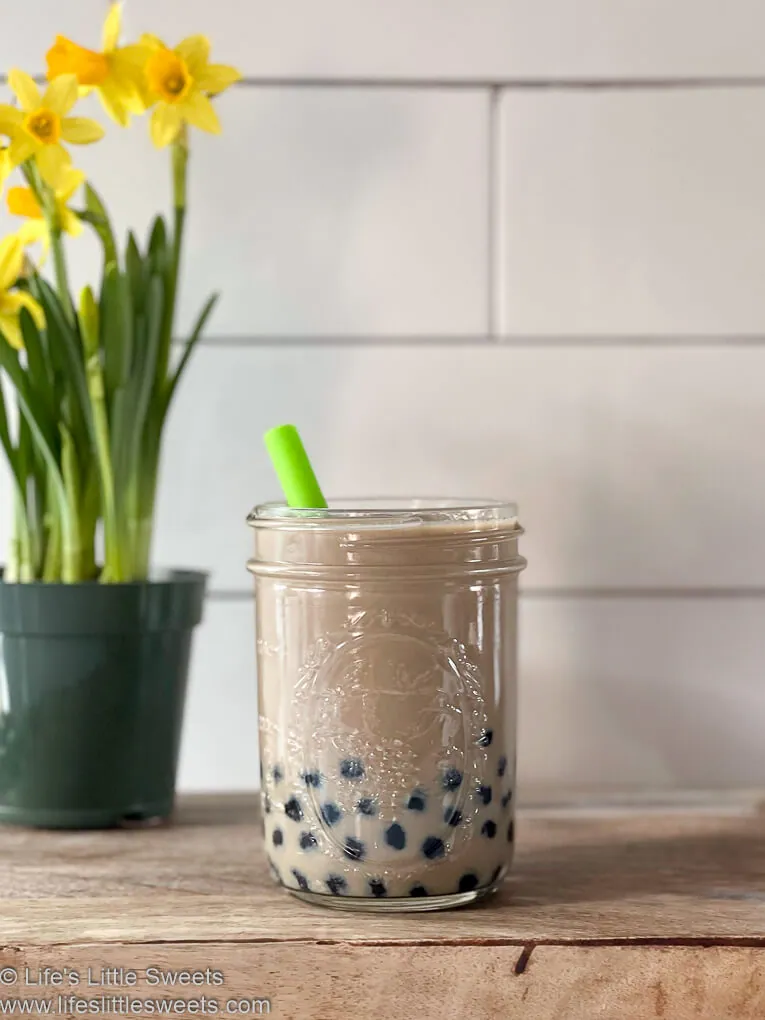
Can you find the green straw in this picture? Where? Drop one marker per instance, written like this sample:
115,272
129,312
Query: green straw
293,468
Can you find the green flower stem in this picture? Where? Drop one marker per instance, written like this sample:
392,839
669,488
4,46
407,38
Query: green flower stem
52,562
47,202
180,161
62,276
140,531
71,553
89,330
142,501
20,565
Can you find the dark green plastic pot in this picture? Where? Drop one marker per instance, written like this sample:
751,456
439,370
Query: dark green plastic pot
92,690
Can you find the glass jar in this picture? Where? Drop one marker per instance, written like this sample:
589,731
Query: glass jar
386,650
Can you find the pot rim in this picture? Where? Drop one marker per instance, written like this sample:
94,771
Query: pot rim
163,577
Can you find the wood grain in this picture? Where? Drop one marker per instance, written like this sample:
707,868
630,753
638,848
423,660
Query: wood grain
627,915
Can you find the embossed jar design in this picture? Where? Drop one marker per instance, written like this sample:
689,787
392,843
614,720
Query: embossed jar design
386,647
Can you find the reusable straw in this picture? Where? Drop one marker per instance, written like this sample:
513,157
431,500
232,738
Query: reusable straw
293,468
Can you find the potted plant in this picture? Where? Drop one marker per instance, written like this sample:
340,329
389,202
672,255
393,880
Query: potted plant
94,647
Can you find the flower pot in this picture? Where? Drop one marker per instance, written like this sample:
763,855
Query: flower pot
92,689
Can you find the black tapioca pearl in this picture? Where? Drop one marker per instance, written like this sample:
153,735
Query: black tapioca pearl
417,801
433,847
507,798
331,813
354,849
418,890
293,810
489,829
377,887
452,779
277,837
484,794
312,778
452,816
502,766
486,738
511,831
351,768
468,882
301,880
336,885
395,836
277,773
266,802
308,841
495,874
367,806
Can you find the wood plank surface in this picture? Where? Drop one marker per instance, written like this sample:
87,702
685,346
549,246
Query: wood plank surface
623,913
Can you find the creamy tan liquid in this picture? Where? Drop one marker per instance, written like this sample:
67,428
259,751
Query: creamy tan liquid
386,659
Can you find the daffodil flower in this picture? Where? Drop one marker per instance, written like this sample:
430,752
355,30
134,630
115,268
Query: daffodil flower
37,128
116,73
11,302
5,165
22,202
181,82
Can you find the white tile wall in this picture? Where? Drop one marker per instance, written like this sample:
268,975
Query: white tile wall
220,739
294,211
505,194
632,467
633,212
615,694
426,39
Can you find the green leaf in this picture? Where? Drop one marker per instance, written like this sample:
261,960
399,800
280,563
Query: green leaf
158,252
110,331
13,455
116,330
5,433
144,379
44,433
40,368
126,309
20,562
66,342
188,350
96,215
41,423
135,271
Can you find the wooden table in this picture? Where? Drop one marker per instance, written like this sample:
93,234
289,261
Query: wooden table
634,914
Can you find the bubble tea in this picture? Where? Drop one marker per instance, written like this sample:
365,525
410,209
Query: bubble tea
386,649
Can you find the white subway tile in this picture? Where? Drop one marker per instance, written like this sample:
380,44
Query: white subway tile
632,466
317,212
219,750
636,212
428,38
641,693
614,695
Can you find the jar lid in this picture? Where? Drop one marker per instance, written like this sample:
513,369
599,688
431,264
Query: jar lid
394,512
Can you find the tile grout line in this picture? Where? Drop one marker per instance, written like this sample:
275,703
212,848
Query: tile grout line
498,83
492,338
494,208
742,593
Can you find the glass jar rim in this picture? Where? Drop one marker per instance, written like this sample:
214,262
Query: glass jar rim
395,512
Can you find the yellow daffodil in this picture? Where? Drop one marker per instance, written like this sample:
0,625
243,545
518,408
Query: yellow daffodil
5,165
116,73
181,82
22,202
11,302
36,130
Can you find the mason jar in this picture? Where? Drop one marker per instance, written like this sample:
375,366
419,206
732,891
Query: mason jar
386,652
